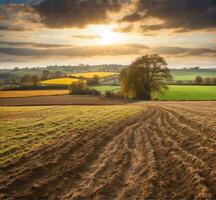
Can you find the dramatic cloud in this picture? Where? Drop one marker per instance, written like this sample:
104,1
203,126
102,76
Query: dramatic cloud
178,15
180,30
84,51
183,15
132,18
47,50
17,17
180,51
75,13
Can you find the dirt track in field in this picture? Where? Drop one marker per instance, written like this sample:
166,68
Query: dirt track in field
169,152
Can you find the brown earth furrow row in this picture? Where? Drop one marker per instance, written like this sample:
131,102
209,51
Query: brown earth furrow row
73,141
187,143
160,153
142,183
190,183
102,138
186,170
193,133
105,165
206,129
206,172
106,172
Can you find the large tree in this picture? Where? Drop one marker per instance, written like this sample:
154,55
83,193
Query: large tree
145,76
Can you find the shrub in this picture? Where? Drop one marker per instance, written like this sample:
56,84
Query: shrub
198,80
80,88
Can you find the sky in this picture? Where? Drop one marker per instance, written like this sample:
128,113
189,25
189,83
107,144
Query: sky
38,33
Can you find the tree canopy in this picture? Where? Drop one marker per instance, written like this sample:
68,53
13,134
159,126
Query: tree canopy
144,76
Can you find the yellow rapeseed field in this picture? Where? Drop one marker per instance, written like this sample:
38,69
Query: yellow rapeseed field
92,74
59,81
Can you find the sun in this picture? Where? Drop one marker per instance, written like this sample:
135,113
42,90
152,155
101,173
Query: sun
106,34
109,37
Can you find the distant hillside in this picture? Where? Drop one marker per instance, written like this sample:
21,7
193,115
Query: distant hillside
63,69
190,74
178,74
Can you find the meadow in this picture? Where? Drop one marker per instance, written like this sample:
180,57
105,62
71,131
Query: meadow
176,92
186,92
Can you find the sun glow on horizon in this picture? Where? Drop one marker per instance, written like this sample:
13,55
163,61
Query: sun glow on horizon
106,35
109,37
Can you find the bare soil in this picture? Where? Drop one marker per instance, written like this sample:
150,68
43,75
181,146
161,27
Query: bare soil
169,152
59,100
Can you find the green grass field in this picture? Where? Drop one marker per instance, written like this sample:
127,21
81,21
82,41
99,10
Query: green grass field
104,88
177,92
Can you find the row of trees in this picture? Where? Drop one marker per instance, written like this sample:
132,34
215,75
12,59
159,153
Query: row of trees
205,81
50,75
30,80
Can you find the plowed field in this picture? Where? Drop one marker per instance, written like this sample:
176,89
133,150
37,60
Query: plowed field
166,152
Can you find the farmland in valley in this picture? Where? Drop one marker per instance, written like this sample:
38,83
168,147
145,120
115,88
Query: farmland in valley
92,74
155,150
31,93
59,81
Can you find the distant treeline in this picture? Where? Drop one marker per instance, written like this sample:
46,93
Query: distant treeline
199,80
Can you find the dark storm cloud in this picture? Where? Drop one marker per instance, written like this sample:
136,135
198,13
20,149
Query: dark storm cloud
132,18
183,14
30,2
75,13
